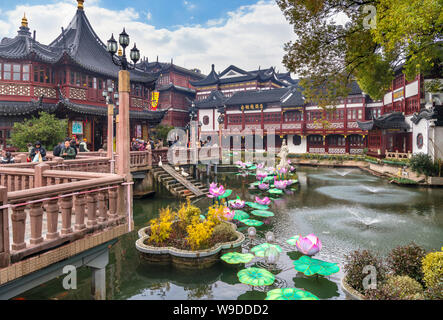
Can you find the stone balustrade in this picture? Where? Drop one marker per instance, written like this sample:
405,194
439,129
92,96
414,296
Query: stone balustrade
47,216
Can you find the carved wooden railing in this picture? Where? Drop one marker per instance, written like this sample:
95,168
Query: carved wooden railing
398,155
68,207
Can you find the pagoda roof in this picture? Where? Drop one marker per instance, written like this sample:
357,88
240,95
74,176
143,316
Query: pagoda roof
260,96
177,88
21,108
233,74
394,120
215,100
294,98
23,46
80,42
163,67
434,113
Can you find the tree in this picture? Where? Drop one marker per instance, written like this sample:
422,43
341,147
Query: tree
161,132
380,36
47,129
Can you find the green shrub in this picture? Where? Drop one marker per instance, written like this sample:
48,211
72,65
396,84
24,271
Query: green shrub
396,288
433,269
407,261
224,231
355,262
423,164
47,129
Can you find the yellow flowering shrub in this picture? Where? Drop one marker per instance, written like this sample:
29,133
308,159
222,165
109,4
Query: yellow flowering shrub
216,214
199,233
186,214
162,226
433,269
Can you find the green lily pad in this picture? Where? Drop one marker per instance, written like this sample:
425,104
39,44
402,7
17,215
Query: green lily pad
293,240
290,294
255,183
268,178
275,191
252,222
310,266
263,213
236,258
259,250
202,217
240,215
226,194
257,206
256,277
252,168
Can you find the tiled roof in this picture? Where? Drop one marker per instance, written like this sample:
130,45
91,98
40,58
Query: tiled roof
262,96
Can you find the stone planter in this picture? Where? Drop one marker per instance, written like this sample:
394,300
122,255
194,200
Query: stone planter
183,258
350,292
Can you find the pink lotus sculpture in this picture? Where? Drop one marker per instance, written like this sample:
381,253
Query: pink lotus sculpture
260,165
237,204
241,164
263,186
292,169
214,191
265,201
283,170
228,214
309,245
261,175
281,184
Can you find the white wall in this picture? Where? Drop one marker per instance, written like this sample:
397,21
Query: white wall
436,136
412,89
388,98
421,127
210,125
302,148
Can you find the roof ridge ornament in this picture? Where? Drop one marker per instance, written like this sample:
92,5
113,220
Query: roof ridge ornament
80,5
24,21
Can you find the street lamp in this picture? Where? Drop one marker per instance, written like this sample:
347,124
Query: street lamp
108,94
122,62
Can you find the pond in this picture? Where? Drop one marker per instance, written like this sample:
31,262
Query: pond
347,209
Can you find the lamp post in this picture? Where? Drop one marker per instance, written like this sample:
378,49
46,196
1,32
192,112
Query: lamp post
221,121
109,94
124,88
193,144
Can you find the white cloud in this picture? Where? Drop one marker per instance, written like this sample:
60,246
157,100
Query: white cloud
189,5
249,37
149,15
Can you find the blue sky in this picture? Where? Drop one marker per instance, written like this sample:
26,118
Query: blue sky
195,33
160,13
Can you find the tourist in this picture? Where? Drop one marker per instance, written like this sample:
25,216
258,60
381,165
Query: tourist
38,153
57,149
74,145
105,145
68,152
8,158
151,142
160,143
83,147
134,144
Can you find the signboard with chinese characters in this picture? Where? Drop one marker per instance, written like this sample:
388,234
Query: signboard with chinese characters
154,100
399,94
77,127
252,106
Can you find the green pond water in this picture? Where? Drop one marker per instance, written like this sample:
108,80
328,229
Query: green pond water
347,209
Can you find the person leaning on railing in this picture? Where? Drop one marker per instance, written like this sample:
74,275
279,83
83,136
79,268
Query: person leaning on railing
68,152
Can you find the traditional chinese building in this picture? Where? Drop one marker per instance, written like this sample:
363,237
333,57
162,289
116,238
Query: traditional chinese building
67,78
285,112
394,125
234,79
175,90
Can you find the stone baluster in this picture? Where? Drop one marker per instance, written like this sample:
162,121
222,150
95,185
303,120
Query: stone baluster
4,229
113,194
80,203
39,180
52,211
91,203
66,206
102,216
18,218
36,214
